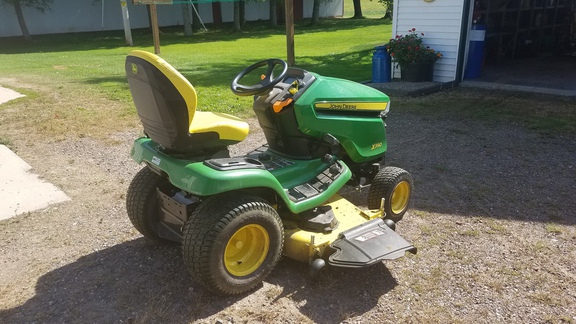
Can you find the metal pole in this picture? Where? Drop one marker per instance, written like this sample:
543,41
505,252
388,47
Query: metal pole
126,21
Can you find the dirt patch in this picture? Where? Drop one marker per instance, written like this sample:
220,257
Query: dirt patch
492,216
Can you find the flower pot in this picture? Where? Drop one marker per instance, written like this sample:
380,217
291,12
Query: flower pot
418,71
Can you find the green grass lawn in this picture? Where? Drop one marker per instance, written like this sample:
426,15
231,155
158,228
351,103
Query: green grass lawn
339,47
77,81
370,9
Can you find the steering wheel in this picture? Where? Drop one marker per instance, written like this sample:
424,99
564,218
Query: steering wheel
263,86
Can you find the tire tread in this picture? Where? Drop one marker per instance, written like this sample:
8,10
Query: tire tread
203,227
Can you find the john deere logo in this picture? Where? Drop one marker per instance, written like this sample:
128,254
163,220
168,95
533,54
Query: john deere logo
342,106
134,68
376,106
376,145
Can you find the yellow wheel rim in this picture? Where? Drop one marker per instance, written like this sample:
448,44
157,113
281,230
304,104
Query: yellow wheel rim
246,250
400,197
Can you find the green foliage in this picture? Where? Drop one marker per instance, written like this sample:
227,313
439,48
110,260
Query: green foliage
370,9
40,5
389,4
409,48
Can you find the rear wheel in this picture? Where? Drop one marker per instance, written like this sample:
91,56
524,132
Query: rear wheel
232,242
142,204
395,186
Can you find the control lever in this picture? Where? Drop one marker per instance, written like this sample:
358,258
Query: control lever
333,142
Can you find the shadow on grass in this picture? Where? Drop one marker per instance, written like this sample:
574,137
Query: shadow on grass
352,65
169,35
140,282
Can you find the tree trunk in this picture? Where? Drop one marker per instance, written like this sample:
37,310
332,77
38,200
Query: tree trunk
315,13
389,9
237,16
187,22
149,19
357,10
282,14
273,13
21,21
195,17
242,13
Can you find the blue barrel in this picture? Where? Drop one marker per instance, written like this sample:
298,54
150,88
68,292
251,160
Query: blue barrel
475,52
381,65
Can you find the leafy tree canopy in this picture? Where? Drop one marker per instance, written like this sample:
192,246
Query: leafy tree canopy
40,5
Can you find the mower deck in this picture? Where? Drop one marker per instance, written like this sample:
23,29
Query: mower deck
358,238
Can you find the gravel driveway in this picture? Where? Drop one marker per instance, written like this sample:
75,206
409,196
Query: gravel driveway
493,218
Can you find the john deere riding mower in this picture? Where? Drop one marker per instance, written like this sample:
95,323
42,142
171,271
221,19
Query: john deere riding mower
236,216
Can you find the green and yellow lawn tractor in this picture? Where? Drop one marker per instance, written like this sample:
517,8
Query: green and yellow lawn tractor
236,216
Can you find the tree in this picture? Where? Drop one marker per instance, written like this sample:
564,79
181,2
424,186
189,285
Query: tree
237,16
196,25
389,8
357,10
243,12
273,13
40,5
315,13
187,20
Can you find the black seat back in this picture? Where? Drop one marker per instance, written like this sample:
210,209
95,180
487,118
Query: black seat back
164,99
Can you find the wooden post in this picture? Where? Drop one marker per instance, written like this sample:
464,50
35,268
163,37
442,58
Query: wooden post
289,9
155,30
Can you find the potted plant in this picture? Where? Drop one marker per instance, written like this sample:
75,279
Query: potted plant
416,60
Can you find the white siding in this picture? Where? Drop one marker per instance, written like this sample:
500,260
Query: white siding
86,15
254,11
440,22
330,8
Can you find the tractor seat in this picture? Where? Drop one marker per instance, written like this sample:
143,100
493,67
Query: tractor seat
166,104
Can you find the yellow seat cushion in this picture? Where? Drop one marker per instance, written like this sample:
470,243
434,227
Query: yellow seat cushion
227,126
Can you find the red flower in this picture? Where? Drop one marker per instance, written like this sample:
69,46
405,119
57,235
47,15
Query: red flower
409,48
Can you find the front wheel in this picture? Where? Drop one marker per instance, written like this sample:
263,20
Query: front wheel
395,186
232,242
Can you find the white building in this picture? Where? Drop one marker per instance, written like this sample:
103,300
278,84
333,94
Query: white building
515,29
97,15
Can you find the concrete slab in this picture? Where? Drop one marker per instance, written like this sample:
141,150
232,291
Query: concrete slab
22,191
8,94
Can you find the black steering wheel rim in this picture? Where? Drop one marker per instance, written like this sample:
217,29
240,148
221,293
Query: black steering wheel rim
263,86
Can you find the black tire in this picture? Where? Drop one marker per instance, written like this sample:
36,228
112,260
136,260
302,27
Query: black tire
395,186
209,237
142,204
